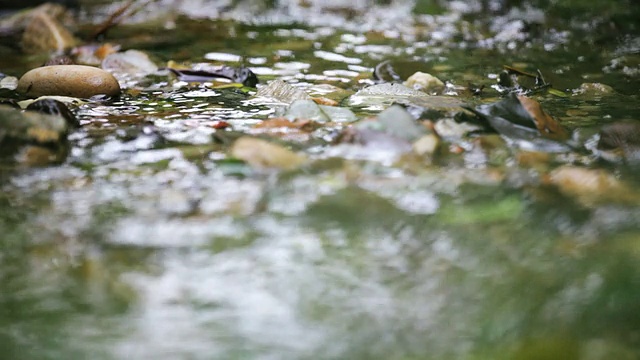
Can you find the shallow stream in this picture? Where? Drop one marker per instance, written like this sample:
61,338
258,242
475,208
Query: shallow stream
151,242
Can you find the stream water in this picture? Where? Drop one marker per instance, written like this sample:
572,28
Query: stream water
150,242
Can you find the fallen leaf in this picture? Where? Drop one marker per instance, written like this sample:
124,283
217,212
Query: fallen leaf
324,101
528,127
547,125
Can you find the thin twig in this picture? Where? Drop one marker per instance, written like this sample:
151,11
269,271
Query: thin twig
112,20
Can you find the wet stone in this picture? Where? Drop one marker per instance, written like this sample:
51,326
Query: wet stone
263,154
68,80
131,62
31,138
283,92
593,90
54,107
44,33
425,82
31,126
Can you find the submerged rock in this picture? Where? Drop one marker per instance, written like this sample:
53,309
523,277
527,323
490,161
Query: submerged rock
620,140
283,92
306,110
398,122
31,126
392,133
68,80
426,145
379,97
131,62
591,187
590,90
263,154
32,138
310,110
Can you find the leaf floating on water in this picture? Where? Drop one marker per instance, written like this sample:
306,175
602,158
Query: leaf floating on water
547,125
528,126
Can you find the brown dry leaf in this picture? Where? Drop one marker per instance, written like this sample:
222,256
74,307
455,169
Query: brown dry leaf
324,101
105,50
547,125
263,154
592,186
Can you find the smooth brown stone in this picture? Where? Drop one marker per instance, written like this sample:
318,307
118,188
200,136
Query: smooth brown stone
44,33
68,80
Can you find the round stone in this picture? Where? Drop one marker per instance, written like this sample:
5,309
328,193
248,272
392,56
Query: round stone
68,80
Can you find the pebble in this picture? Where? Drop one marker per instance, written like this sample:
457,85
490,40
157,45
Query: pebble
425,82
68,80
263,154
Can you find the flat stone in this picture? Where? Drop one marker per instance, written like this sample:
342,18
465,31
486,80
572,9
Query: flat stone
68,80
31,126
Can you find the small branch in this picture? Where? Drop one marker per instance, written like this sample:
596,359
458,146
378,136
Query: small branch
112,20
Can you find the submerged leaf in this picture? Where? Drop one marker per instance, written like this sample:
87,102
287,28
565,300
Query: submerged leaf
620,139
